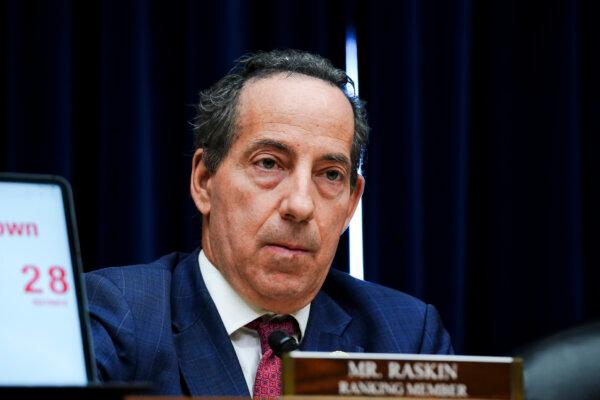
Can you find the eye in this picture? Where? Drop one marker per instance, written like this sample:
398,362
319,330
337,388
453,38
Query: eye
267,163
332,175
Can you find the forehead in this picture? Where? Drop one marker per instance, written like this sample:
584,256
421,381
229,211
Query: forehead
295,102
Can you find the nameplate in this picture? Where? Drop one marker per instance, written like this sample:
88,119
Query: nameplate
406,376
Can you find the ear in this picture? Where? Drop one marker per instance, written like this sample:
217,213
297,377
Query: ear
355,196
200,183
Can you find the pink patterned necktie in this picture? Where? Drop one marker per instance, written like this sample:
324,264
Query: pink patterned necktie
267,384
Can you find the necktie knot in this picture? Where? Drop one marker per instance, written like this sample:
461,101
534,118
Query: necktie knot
265,326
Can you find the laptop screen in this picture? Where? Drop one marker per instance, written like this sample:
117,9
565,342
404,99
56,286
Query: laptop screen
43,328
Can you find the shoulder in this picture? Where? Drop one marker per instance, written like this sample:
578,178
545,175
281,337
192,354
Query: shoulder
134,280
122,275
390,320
352,292
133,288
138,292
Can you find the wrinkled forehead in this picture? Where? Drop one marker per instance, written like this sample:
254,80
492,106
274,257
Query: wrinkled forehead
294,98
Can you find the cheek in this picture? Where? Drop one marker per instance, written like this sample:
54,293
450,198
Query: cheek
331,229
239,212
333,224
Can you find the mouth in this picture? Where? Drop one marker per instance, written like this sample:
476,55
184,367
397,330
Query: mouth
286,249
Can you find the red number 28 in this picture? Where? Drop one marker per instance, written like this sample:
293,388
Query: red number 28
58,284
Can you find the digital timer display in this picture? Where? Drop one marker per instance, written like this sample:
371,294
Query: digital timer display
40,333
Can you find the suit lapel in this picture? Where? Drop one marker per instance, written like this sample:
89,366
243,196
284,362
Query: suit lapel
207,360
327,328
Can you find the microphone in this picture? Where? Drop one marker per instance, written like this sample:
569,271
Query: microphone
280,342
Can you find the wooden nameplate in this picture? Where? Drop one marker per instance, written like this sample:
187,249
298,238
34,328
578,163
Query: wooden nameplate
405,376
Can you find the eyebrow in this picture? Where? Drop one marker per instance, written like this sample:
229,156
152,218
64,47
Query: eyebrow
338,158
274,144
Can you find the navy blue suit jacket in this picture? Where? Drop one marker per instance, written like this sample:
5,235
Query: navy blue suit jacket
158,323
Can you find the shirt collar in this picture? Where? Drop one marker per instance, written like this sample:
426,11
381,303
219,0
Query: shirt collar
234,311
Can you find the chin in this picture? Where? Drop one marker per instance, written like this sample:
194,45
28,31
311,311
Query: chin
281,307
283,300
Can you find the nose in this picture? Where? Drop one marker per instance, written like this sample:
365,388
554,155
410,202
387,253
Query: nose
298,203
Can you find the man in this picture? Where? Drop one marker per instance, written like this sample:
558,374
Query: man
279,141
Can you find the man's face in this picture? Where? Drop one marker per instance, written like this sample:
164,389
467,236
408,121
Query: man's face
274,210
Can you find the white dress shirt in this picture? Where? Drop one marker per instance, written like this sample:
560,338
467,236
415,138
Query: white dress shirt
235,313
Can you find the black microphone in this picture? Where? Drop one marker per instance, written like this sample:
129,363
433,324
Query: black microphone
280,342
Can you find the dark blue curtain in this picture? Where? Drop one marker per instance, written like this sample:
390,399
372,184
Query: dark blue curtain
484,161
482,174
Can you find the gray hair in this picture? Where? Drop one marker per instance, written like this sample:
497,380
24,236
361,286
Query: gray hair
215,121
